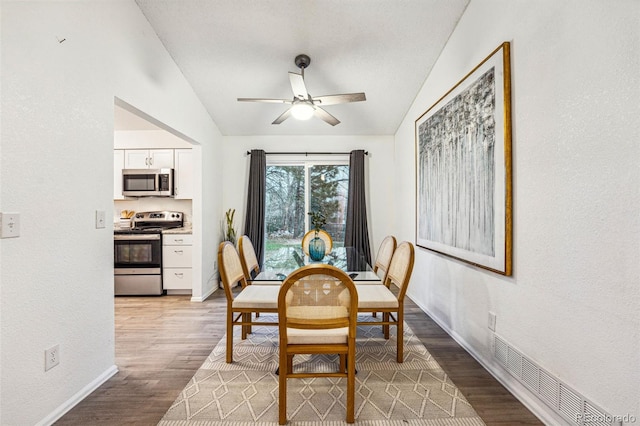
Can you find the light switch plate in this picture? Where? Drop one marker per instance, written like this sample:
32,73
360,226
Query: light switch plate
10,225
492,321
100,219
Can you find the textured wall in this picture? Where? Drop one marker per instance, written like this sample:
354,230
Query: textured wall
62,65
572,303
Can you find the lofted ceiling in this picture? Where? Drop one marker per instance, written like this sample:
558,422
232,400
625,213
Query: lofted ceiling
228,49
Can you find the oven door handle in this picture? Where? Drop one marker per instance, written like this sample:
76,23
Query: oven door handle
137,237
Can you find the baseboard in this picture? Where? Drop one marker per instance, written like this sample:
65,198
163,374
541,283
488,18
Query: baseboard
204,296
56,414
544,413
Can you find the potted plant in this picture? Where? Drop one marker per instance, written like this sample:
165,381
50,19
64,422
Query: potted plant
317,247
228,230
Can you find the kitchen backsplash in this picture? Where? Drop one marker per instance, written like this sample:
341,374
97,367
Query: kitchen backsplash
153,204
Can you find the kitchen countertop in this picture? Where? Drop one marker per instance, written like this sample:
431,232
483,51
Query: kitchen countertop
184,230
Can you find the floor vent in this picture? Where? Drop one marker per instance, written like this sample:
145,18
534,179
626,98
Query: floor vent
571,405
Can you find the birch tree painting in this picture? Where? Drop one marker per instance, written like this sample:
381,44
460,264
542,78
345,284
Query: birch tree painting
461,174
457,170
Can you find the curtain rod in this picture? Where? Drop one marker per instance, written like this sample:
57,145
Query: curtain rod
308,153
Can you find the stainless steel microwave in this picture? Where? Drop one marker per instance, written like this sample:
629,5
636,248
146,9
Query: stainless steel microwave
147,182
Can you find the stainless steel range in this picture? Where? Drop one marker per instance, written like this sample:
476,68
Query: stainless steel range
137,253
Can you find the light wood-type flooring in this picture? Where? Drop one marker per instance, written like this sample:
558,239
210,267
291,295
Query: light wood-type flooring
161,342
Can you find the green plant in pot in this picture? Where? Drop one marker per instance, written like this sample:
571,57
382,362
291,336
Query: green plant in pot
228,230
317,247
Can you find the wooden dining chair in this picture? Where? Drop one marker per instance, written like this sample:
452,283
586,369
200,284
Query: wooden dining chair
248,257
251,298
384,255
317,310
383,259
328,241
380,298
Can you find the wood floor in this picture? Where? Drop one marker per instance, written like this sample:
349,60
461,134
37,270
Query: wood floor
161,342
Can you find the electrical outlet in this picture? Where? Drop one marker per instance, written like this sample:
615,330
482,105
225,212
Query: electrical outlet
492,321
51,357
9,225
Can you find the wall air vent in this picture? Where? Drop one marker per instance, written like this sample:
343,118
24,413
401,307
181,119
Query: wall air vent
514,359
568,403
548,389
530,374
500,350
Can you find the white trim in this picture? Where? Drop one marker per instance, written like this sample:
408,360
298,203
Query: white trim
62,409
543,412
204,296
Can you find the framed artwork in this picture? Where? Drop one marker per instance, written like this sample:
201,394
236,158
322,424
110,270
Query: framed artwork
463,168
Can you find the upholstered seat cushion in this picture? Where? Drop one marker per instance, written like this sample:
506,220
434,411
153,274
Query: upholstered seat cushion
332,336
257,297
375,296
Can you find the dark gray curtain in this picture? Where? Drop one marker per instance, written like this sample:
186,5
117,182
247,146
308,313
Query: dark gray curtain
254,219
356,232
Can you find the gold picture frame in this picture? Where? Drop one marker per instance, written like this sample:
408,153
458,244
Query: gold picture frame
464,171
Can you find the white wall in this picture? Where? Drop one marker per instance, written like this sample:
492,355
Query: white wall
56,170
379,163
207,216
130,139
572,302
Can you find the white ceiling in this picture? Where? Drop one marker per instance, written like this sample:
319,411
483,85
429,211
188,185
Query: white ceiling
244,48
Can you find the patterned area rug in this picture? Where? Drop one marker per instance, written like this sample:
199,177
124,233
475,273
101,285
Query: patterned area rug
416,392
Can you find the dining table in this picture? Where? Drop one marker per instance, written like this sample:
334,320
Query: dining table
347,259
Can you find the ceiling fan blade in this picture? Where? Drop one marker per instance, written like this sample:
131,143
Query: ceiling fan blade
271,101
297,86
325,116
282,117
340,99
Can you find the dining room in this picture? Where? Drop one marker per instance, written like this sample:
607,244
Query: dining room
538,324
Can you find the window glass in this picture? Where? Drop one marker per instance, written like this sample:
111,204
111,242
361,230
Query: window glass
292,190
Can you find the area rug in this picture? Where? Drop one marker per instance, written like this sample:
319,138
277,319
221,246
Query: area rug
416,392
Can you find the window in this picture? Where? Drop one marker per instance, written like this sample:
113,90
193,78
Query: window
292,190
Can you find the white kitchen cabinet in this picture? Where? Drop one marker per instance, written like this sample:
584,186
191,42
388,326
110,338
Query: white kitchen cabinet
118,165
148,159
183,179
177,260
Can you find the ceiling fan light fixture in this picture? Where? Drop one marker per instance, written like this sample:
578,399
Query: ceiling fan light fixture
302,111
303,105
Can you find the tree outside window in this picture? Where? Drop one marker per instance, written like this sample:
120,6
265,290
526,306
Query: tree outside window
291,192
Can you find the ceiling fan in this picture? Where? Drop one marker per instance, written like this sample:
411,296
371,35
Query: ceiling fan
303,105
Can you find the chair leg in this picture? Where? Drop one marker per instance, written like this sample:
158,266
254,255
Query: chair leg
229,336
282,386
351,381
244,326
400,336
343,363
290,363
385,327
